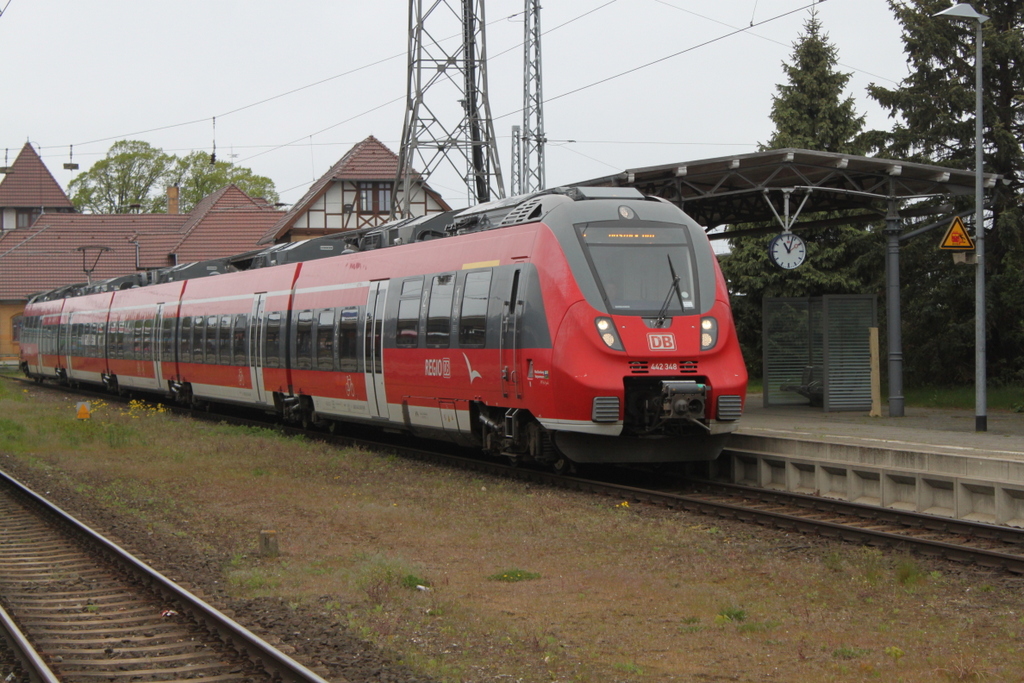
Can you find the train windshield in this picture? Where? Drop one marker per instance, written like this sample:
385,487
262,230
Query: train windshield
644,270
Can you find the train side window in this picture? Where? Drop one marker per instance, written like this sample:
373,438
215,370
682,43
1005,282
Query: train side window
199,333
409,313
211,339
272,341
348,340
304,341
325,340
185,340
167,339
147,338
473,321
239,341
119,339
439,311
224,338
135,328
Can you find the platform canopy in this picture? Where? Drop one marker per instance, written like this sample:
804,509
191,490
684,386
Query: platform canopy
737,189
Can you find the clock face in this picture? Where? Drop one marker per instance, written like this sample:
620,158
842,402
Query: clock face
787,251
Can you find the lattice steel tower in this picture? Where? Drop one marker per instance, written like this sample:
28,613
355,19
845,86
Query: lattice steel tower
448,116
533,139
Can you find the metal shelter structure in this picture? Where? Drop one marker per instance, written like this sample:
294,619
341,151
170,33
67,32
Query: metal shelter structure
766,186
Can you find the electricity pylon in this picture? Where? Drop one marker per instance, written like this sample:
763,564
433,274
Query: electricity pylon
448,115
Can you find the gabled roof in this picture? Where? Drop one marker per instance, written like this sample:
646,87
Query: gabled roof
229,218
29,185
48,254
369,160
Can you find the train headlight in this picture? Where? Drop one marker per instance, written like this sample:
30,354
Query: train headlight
606,328
708,333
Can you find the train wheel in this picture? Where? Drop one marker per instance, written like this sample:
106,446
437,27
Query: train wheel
563,465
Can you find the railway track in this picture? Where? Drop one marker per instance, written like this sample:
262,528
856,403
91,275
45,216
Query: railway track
77,608
987,545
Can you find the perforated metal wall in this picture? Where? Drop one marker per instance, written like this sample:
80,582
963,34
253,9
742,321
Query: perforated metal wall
817,351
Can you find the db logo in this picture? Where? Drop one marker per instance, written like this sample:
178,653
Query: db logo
661,342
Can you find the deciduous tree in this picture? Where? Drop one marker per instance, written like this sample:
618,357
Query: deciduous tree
131,174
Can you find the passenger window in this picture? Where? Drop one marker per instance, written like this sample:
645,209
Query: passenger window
199,333
473,321
238,343
348,337
325,340
211,339
167,339
409,314
147,339
185,340
224,338
272,350
304,341
120,338
439,311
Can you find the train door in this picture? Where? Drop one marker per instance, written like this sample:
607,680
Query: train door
67,350
156,344
511,319
256,321
373,349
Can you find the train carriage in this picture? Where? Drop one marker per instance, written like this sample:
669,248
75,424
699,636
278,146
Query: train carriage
580,325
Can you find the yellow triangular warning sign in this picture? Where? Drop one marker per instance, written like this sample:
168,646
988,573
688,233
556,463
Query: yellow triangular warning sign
84,411
956,238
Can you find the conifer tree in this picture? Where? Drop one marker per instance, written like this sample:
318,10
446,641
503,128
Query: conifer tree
933,111
809,112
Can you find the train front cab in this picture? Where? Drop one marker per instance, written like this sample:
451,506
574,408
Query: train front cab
649,353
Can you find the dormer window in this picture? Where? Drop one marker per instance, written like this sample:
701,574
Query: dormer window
26,217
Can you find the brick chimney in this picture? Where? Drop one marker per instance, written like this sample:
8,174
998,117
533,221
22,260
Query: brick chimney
172,199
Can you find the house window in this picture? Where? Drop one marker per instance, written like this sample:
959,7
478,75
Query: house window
26,216
375,198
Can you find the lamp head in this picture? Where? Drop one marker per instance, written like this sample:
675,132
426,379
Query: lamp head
962,10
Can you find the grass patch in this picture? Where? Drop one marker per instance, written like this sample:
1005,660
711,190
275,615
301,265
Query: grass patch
731,614
848,652
514,576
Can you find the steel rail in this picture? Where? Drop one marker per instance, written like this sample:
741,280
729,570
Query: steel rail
735,510
34,666
272,660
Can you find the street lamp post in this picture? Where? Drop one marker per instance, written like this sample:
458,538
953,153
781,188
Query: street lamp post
966,11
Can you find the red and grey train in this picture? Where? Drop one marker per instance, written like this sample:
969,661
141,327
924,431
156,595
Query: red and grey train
574,325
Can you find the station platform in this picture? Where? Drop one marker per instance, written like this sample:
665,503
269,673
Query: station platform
931,460
924,429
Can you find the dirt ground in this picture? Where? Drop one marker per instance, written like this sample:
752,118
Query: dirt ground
399,571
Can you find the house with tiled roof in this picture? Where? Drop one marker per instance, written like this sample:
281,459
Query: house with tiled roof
28,190
355,193
60,249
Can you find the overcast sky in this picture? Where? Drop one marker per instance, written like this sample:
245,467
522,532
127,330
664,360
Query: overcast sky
293,85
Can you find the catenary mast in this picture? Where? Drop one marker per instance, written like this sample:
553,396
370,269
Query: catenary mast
533,139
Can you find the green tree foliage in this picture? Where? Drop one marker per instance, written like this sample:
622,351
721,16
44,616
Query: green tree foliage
809,112
198,178
131,174
136,173
933,110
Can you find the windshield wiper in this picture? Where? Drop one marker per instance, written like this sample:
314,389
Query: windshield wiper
668,297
